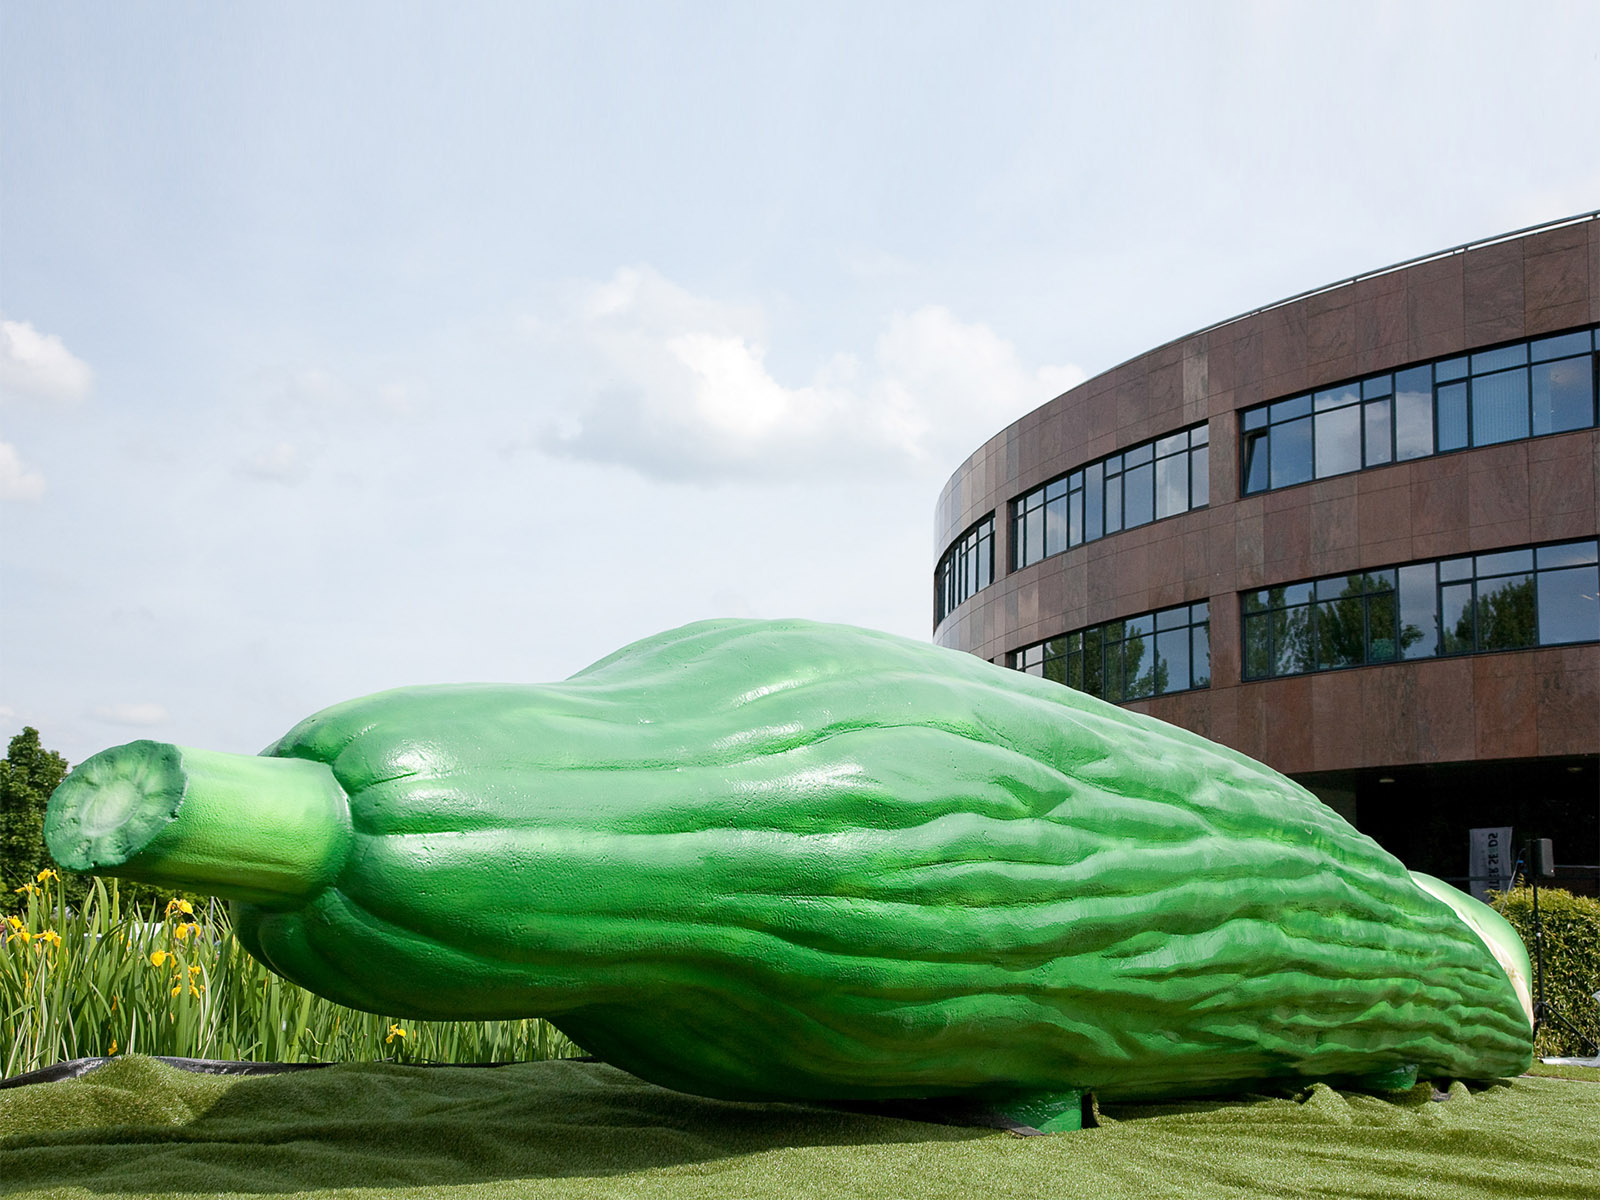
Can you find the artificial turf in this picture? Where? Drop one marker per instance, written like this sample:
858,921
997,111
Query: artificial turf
139,1128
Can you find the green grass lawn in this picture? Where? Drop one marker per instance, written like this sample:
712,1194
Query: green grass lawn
138,1128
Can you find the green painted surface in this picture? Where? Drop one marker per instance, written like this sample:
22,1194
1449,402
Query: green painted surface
1400,1079
781,859
1060,1113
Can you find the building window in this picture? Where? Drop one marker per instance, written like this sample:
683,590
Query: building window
1506,600
1144,483
967,567
1134,658
1529,388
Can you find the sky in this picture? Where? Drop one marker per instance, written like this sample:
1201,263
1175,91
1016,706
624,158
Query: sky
346,346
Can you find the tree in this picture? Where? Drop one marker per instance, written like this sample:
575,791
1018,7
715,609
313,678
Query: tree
28,775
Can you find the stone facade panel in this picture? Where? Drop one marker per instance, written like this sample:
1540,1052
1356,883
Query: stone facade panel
1529,703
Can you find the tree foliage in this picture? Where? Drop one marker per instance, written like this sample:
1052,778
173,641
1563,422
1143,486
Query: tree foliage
1360,625
28,775
1506,617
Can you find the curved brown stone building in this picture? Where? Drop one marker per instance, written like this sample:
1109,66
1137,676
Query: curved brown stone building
1352,534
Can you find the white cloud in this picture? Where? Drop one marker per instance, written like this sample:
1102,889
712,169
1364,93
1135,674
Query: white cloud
34,366
955,384
37,366
297,393
280,462
402,397
142,715
284,420
18,481
678,386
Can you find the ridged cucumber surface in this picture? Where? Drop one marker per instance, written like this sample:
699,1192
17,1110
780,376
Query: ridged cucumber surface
759,859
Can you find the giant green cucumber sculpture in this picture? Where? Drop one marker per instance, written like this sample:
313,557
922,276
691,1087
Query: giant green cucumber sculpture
788,860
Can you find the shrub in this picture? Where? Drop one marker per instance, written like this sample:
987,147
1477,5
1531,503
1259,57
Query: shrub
1571,963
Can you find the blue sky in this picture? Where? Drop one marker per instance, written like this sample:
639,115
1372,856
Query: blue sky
347,346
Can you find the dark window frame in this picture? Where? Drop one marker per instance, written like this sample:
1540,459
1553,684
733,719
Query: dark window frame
965,568
1262,616
1466,374
1069,497
1094,659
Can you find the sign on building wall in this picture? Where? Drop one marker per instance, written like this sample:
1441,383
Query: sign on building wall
1491,860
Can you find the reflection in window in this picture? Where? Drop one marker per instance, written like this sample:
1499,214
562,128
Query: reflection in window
1134,658
1143,483
1563,396
1290,452
1452,417
1172,485
1413,414
1377,425
1529,388
1567,611
1455,608
1341,621
967,567
1256,478
1419,601
1338,440
1502,614
1505,600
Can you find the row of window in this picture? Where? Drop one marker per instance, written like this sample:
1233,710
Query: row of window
1155,479
1506,600
1529,388
1525,389
1151,654
967,567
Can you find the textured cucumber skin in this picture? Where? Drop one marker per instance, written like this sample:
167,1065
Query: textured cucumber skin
783,859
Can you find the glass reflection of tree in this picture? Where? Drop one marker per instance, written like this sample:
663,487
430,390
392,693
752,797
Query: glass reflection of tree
1506,616
1341,624
1142,681
1354,627
1359,625
1292,650
1410,635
